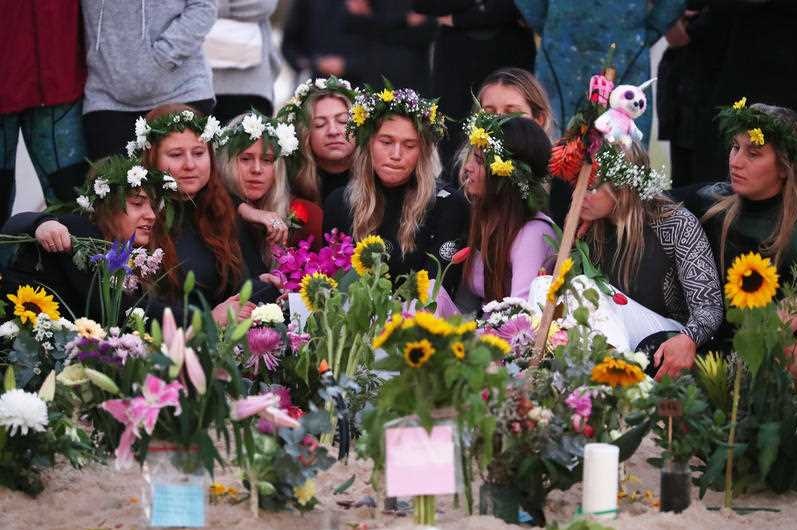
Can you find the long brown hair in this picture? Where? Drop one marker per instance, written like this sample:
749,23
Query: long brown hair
214,215
306,184
780,238
496,218
368,204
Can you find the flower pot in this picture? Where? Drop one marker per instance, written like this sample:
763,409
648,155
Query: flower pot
176,485
675,487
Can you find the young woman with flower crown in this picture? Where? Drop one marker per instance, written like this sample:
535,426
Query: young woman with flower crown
503,177
320,111
393,190
757,212
119,199
656,252
251,159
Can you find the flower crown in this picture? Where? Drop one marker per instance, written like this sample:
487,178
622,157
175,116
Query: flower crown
611,165
485,131
370,108
281,137
207,127
294,108
761,128
116,176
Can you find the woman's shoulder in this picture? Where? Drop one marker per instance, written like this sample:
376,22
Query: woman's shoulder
538,223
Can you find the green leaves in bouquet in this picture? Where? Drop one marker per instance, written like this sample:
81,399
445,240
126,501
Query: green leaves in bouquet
31,363
761,334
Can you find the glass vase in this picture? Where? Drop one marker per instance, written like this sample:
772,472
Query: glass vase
675,487
176,486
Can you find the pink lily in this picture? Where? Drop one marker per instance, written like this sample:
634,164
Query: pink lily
180,354
156,395
265,406
195,371
120,410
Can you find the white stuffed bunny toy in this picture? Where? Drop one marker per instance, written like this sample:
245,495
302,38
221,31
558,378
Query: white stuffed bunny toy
626,102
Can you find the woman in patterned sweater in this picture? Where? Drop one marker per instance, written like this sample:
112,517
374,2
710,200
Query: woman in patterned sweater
655,251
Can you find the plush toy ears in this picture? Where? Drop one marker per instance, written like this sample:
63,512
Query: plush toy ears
647,83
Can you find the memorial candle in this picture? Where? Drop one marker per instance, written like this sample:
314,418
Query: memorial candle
600,480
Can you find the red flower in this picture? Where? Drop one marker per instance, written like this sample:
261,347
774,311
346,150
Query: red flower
300,211
619,298
486,394
323,367
589,432
461,256
294,412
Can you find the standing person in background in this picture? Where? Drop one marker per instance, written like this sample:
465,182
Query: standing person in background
398,41
141,55
43,74
575,41
474,38
315,41
239,90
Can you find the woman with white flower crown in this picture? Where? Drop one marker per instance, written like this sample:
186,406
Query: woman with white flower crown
251,159
394,191
657,253
119,199
206,237
320,111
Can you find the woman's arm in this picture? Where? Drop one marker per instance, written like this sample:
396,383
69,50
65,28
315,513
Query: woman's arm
276,228
529,251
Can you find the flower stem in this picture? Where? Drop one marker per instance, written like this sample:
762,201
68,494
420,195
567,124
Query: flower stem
425,510
737,383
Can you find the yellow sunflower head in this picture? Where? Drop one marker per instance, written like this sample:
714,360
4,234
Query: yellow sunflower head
501,168
417,353
368,252
433,324
29,302
390,326
756,136
422,286
458,349
479,138
559,281
466,327
496,343
359,114
312,286
752,281
617,372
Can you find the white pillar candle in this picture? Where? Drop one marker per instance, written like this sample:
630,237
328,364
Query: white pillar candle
600,480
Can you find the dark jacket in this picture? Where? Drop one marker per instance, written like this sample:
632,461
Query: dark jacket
42,59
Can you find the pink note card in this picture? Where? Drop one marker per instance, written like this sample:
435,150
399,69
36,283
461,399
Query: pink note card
420,463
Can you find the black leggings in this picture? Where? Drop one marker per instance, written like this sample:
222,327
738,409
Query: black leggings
108,131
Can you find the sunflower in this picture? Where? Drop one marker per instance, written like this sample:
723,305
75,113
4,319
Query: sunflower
418,353
29,302
312,285
559,281
390,326
496,343
359,114
752,281
617,372
501,168
465,327
458,349
366,254
432,324
422,286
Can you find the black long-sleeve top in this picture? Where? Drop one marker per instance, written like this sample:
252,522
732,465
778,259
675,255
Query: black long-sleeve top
442,231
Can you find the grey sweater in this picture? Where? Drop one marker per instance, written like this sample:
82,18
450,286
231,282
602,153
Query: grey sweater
257,80
144,53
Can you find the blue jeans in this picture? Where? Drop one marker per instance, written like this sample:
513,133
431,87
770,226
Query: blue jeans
54,138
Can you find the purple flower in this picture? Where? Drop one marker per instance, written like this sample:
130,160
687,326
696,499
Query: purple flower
296,339
265,344
580,402
118,256
294,263
518,332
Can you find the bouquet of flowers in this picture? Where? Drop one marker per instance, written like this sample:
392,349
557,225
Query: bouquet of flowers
516,321
34,341
32,434
293,264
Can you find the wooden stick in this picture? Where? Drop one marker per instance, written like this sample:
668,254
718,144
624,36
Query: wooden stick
568,238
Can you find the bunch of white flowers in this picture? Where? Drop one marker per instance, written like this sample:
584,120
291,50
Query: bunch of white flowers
22,411
268,314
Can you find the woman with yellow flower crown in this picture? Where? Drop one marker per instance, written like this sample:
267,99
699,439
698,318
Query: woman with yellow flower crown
757,210
394,191
503,175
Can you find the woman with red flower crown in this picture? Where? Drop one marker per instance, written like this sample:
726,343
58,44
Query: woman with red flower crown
251,158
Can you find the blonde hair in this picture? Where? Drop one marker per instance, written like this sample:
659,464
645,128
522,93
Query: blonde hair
306,183
630,216
780,238
368,204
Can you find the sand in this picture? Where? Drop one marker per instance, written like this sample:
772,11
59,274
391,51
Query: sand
98,497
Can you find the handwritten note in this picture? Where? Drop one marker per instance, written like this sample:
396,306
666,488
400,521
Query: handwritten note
420,463
178,505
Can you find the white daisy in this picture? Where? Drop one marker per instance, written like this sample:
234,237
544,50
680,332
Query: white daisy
142,127
169,183
286,137
131,148
253,126
22,410
101,187
85,203
135,175
187,115
321,83
212,129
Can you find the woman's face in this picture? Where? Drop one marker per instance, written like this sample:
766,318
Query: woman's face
395,149
138,217
598,203
506,99
187,158
255,171
754,170
328,140
474,173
